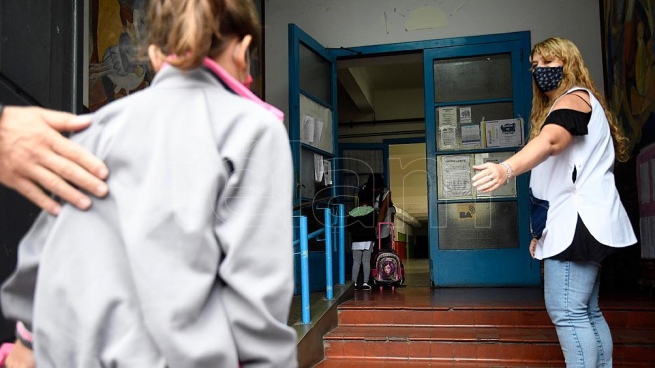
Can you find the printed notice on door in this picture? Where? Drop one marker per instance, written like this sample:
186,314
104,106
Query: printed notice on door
456,176
447,127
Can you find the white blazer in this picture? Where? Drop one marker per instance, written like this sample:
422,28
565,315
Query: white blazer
593,195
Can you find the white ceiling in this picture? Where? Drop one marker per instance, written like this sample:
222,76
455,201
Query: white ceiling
363,78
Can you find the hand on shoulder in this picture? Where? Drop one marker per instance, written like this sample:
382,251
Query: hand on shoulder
35,157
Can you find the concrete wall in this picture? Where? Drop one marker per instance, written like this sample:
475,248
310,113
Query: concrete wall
348,23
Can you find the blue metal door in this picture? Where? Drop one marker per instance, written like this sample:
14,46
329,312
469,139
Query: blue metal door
313,136
474,92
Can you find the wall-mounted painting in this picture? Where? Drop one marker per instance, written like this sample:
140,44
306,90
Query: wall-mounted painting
115,68
629,46
117,30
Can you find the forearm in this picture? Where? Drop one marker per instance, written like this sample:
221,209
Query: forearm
534,153
384,207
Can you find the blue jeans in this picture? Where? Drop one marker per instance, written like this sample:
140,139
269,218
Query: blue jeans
571,295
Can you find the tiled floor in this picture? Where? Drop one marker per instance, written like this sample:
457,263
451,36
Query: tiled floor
477,298
417,293
417,275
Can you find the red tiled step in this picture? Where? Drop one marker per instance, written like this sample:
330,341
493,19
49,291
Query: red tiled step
480,317
527,345
389,363
474,328
384,363
444,317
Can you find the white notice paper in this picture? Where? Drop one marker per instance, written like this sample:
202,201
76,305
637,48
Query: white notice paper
465,115
448,136
448,116
471,135
309,126
456,176
318,132
318,167
448,126
504,133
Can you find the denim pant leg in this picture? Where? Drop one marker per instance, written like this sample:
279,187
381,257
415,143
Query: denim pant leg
357,261
601,329
568,290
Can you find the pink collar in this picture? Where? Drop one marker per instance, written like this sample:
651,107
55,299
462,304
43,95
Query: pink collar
239,88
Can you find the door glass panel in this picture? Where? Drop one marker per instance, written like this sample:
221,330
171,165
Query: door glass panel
315,124
473,78
313,185
315,75
490,225
449,133
455,172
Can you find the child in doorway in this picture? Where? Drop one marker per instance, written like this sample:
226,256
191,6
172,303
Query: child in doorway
383,206
361,225
188,262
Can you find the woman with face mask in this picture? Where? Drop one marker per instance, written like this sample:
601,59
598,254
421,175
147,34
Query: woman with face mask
574,140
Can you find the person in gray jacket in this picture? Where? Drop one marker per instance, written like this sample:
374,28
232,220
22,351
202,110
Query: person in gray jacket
188,261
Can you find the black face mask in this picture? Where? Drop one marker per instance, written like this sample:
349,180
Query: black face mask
548,78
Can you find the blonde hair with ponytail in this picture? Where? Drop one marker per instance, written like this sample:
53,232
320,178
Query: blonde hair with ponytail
575,74
194,29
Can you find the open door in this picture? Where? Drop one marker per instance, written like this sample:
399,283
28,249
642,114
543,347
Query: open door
313,135
477,239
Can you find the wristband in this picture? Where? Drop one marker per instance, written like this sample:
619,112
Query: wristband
508,169
24,335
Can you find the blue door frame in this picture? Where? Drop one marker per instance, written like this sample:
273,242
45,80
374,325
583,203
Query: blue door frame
465,274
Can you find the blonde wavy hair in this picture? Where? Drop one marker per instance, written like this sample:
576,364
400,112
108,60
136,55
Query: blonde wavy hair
576,74
194,29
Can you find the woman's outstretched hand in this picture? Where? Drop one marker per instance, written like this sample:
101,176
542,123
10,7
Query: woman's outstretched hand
489,177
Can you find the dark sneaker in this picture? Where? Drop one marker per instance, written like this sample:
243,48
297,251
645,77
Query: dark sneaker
366,286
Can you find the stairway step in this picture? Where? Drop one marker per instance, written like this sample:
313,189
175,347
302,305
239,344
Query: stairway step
473,328
483,334
452,334
384,363
444,317
481,317
532,345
